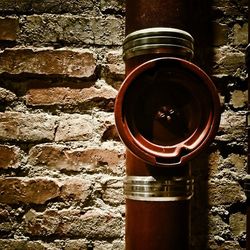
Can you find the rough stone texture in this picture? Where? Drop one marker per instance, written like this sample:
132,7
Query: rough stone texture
74,127
68,29
61,159
68,96
6,95
238,224
240,36
9,28
26,127
225,192
76,188
228,61
232,126
88,159
24,190
10,157
94,223
72,63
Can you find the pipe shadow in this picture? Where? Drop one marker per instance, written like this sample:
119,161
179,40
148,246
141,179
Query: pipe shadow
201,28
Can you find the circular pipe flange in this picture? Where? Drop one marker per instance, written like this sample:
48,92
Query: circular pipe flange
168,41
167,111
148,188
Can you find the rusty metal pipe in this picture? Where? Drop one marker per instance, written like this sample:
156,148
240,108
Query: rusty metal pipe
162,123
142,14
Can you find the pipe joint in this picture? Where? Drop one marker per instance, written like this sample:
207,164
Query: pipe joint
159,40
148,188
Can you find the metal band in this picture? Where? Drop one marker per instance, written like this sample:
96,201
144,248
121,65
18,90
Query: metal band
247,185
170,41
147,188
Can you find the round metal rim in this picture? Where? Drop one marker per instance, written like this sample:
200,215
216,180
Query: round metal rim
149,155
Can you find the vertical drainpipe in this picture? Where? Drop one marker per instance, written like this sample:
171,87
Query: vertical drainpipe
159,185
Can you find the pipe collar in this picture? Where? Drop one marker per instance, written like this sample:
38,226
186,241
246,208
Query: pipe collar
168,41
148,188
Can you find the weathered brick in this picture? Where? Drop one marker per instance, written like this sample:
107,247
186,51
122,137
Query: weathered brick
90,159
113,191
81,244
114,70
6,95
240,34
113,5
67,95
9,27
10,157
71,63
225,192
232,126
25,190
71,29
96,223
215,160
74,127
216,244
218,227
239,98
75,188
26,127
237,224
238,162
11,244
228,61
231,8
45,6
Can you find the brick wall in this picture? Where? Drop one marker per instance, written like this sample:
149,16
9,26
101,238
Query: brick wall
61,161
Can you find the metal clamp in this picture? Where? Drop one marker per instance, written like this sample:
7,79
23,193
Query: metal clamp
168,41
148,188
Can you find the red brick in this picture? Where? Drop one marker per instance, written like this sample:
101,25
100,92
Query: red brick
94,223
67,95
114,70
75,188
74,127
60,157
27,190
71,63
116,64
26,127
9,157
9,28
